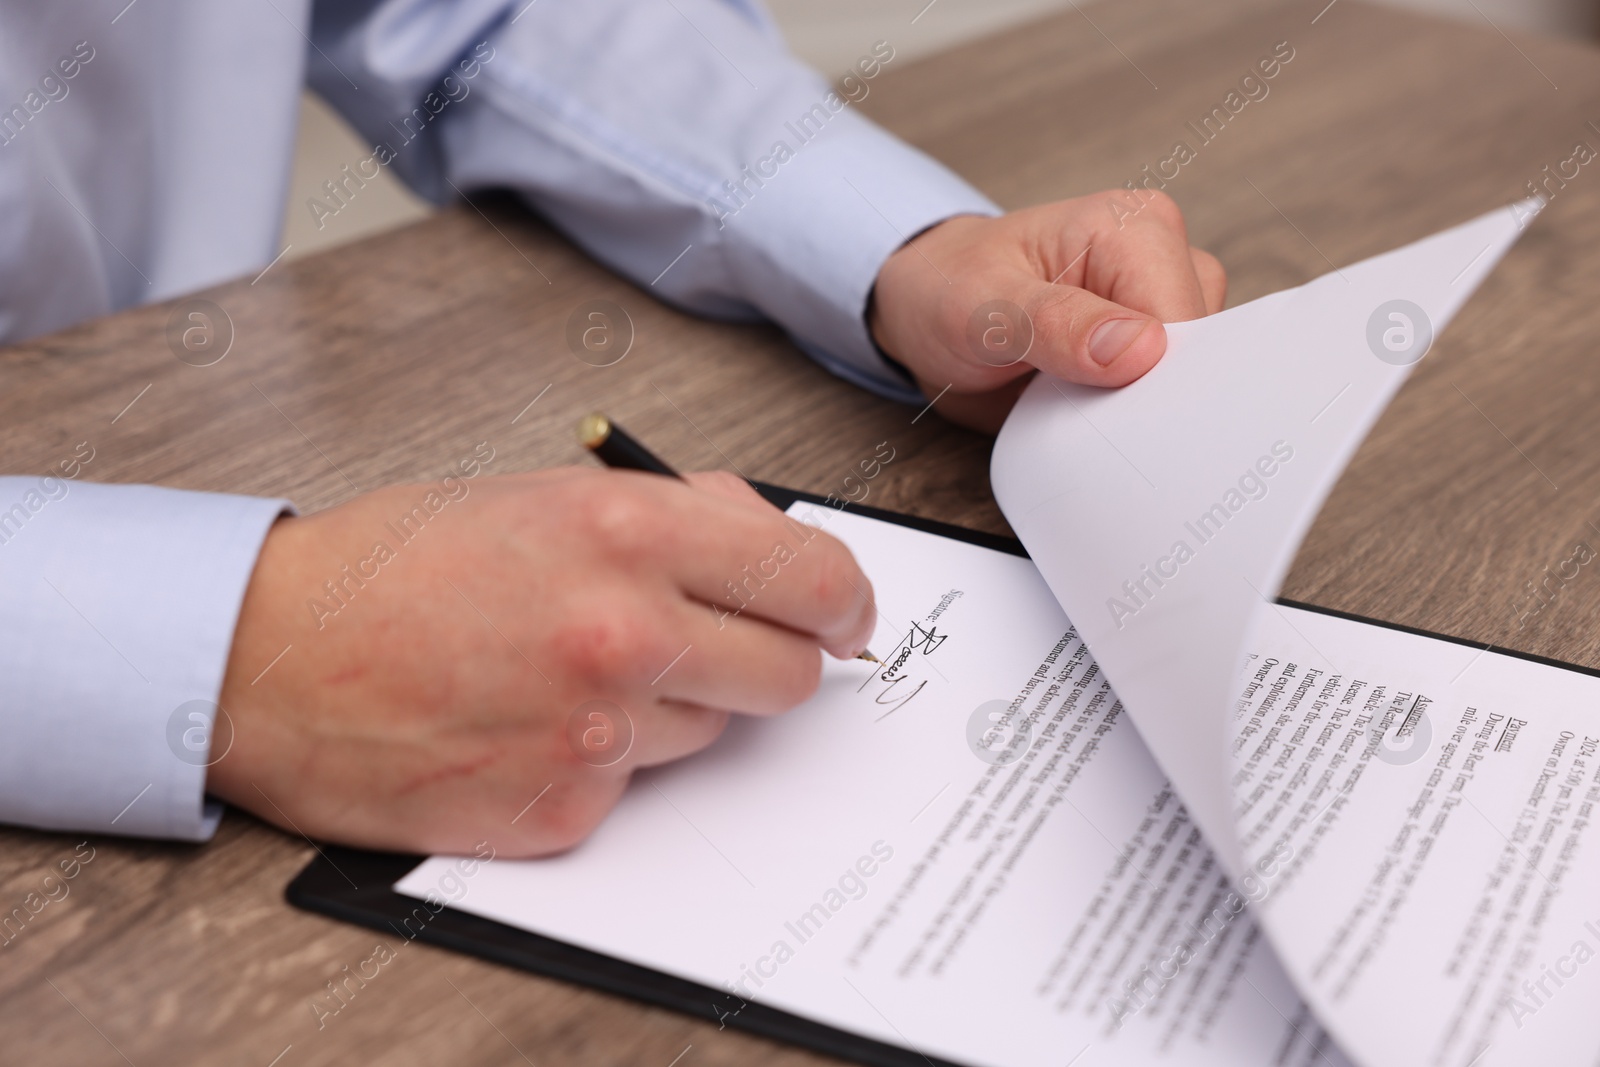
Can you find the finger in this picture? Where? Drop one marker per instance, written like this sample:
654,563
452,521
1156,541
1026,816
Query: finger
565,810
739,663
611,737
1136,252
1145,265
731,552
1087,339
985,412
671,730
751,559
1213,279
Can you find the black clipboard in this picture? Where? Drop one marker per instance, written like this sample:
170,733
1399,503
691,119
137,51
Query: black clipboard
355,886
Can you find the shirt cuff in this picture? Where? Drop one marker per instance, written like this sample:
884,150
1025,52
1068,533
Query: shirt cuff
117,610
809,241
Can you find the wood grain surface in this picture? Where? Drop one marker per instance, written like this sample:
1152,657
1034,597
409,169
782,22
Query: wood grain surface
390,359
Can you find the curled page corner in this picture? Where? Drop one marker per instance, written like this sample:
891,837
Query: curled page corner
1165,515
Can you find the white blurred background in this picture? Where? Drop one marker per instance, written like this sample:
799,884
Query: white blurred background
829,35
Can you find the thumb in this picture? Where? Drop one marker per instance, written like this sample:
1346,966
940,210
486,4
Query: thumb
1086,339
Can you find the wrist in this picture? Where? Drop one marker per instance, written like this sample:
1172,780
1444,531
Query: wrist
908,268
262,640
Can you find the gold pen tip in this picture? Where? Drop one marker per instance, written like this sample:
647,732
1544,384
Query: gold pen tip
593,429
869,657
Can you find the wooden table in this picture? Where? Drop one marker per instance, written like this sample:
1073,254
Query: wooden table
390,359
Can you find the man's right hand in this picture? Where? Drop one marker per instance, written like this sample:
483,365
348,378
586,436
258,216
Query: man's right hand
425,706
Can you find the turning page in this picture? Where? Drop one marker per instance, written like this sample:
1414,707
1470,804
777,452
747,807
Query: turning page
1432,801
1164,515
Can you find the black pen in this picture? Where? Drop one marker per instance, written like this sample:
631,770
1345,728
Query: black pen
613,446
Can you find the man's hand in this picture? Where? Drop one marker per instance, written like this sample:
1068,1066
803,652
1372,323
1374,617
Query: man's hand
431,697
1078,288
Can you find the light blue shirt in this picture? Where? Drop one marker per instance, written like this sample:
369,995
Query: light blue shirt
144,153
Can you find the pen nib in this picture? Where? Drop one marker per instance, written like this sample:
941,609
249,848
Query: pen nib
869,657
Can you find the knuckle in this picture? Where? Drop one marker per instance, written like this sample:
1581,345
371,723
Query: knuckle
836,587
1064,316
1113,209
609,647
570,813
1162,208
725,482
617,520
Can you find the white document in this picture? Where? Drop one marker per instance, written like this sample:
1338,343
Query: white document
971,852
1441,902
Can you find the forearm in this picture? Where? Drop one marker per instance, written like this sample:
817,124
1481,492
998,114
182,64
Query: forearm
681,144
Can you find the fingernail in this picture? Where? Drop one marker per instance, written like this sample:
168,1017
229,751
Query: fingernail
1111,339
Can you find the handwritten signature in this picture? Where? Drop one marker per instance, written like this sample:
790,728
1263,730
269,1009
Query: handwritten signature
896,678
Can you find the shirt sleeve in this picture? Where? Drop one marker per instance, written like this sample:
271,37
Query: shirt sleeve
119,605
678,141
